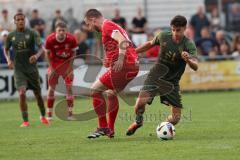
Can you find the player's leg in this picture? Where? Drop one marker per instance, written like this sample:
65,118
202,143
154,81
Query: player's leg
33,80
21,85
99,105
23,106
52,82
69,97
175,115
143,98
40,103
113,107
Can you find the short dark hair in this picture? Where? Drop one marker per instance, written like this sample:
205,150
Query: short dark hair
60,24
18,14
179,21
93,13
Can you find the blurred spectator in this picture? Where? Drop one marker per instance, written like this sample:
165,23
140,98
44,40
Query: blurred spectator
72,22
199,21
139,22
91,41
5,23
225,49
234,17
58,17
37,23
236,46
222,38
216,20
207,46
119,20
3,39
83,48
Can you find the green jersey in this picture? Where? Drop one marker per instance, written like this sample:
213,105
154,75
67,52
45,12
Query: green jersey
24,45
170,55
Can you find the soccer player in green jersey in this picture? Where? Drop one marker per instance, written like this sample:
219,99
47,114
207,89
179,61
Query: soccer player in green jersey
24,43
163,78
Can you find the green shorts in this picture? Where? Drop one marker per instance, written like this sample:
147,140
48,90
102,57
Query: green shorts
27,80
169,92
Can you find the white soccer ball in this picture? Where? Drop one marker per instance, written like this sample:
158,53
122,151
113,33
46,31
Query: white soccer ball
165,131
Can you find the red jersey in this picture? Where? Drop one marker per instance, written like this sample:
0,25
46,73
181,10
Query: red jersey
111,46
60,52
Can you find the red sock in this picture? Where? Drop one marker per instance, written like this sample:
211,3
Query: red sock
50,103
99,105
113,106
70,99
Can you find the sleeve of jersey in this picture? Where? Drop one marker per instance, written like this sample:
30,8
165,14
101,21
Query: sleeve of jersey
157,39
108,30
8,42
192,50
37,39
47,45
74,44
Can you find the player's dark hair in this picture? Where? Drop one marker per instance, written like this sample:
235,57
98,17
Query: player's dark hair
60,24
93,13
18,14
179,21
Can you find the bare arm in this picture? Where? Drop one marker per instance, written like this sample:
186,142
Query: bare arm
123,44
146,46
192,62
9,61
35,57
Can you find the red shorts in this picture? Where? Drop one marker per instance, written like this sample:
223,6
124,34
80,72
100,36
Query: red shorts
54,76
119,80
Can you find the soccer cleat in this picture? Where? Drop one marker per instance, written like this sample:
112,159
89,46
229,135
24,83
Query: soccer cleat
101,132
50,119
132,128
44,120
25,124
71,118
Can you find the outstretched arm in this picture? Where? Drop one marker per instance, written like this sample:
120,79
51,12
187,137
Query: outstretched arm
146,46
191,61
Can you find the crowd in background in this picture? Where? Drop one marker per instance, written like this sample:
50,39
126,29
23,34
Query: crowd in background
208,30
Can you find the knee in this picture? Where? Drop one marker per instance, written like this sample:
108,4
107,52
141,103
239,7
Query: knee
110,94
22,91
51,91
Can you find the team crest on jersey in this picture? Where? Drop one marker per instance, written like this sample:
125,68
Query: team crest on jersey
164,44
13,38
56,46
27,36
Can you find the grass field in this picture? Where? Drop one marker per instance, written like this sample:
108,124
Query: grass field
209,130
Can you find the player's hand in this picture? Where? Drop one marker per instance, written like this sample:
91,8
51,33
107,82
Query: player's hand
185,56
10,64
33,59
118,65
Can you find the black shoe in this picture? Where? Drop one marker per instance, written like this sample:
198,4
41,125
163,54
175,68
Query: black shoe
100,132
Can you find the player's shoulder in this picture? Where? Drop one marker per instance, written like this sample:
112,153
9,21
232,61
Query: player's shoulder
110,24
51,36
188,40
70,36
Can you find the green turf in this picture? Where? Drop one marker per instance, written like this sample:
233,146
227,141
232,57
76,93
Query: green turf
209,130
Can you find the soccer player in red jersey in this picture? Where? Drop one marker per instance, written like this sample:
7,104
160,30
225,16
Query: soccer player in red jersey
122,61
60,50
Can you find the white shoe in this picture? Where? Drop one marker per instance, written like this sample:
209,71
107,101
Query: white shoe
50,118
71,118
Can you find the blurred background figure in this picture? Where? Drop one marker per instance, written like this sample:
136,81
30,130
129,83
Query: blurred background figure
83,49
3,38
207,45
139,29
58,17
236,46
73,24
121,21
5,22
198,21
37,23
234,17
